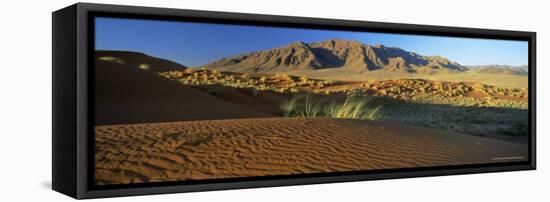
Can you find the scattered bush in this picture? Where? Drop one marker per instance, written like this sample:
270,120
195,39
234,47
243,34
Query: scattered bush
144,66
111,59
188,71
263,79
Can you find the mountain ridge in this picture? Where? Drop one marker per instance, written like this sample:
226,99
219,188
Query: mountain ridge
500,69
353,56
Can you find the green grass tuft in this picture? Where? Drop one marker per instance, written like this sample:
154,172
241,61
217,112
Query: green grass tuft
353,107
289,108
310,108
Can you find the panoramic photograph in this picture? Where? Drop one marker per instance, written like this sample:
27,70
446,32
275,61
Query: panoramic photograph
180,101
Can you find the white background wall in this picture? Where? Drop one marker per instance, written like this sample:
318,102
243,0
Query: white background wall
25,99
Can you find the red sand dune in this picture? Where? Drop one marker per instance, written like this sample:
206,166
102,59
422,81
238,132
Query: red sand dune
280,146
125,94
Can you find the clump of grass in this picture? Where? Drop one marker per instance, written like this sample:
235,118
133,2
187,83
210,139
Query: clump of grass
111,59
310,108
353,107
289,108
144,66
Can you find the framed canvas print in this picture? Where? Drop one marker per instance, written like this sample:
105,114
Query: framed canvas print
154,100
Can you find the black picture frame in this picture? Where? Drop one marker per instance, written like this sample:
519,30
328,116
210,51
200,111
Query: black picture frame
72,133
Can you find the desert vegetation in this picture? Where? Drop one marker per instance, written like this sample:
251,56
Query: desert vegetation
281,83
352,107
409,90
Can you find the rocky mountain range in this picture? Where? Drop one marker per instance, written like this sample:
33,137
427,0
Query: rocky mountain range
352,56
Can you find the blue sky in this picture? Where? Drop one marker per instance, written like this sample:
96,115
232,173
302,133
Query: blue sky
195,44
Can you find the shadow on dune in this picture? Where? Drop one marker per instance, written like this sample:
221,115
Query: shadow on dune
125,94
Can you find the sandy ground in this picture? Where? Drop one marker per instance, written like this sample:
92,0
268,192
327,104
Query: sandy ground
177,151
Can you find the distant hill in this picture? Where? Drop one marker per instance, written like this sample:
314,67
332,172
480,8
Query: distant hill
138,60
500,69
352,56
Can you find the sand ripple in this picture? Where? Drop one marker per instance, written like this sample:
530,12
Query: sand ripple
213,149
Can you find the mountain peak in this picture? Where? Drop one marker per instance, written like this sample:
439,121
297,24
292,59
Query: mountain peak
298,44
337,43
